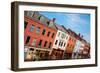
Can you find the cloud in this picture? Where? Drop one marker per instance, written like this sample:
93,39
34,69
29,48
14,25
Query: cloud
75,19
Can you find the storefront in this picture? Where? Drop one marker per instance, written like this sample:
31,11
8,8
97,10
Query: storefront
57,54
36,54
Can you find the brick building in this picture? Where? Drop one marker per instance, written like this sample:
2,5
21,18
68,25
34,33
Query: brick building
70,44
60,43
39,33
84,51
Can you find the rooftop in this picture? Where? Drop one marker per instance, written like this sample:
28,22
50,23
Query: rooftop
59,27
35,15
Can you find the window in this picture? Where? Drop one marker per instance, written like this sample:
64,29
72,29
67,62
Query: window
33,14
45,43
64,44
31,49
48,34
50,45
42,19
30,13
37,50
58,34
56,42
61,43
27,40
40,42
62,36
31,28
48,22
52,35
38,30
43,32
39,17
25,24
34,42
40,54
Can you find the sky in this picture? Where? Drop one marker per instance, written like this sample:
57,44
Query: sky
78,22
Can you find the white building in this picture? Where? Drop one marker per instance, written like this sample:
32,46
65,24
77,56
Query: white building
61,38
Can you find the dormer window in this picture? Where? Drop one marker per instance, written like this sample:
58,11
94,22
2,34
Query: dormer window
30,13
39,17
48,22
42,19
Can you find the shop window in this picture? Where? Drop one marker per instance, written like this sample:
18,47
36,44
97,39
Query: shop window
56,53
37,50
27,40
31,49
40,54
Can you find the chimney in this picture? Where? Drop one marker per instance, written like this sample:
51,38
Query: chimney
53,19
79,34
82,36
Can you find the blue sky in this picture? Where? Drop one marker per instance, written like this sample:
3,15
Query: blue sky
79,23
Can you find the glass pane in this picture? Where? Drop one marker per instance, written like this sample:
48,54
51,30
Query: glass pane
31,28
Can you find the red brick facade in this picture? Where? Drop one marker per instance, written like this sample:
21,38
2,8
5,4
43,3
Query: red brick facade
46,38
